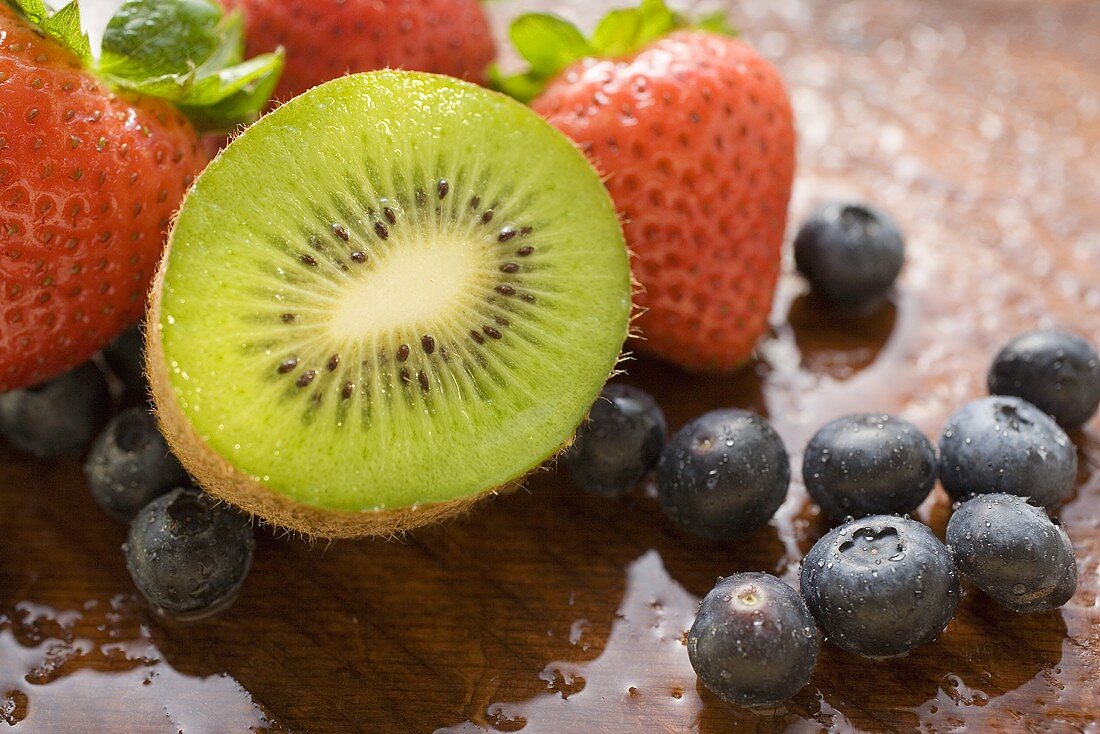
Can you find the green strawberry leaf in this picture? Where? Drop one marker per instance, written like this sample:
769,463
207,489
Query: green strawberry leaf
716,23
549,44
657,20
618,32
147,39
190,53
230,51
225,98
523,87
63,25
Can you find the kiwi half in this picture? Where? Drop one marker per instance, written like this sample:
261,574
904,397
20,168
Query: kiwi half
391,296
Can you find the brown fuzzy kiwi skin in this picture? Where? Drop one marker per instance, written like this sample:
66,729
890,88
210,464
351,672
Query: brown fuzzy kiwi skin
222,480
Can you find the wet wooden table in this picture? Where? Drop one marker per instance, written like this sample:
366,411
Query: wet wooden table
977,123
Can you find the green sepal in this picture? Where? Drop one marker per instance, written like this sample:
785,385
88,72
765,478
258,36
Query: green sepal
716,23
549,44
623,32
615,34
148,39
241,91
62,25
523,87
188,52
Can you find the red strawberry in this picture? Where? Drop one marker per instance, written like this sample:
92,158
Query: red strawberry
325,39
89,180
694,132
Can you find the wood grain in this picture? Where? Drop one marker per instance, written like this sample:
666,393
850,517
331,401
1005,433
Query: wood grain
977,123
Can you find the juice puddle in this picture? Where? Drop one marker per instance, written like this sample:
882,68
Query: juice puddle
643,665
100,655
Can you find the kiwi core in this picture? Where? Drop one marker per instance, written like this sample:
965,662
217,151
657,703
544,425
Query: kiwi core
417,306
419,284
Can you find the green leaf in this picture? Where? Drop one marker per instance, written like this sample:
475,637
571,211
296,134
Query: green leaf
548,43
523,87
35,10
657,20
189,53
235,95
148,38
716,23
618,32
63,26
231,49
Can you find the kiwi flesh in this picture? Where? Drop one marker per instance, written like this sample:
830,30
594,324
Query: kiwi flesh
392,296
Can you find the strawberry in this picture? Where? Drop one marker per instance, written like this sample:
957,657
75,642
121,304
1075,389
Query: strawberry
91,169
694,132
325,39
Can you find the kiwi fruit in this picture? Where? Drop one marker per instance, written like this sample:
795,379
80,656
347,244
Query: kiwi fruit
390,297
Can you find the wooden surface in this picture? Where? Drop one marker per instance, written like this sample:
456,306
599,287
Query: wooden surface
977,123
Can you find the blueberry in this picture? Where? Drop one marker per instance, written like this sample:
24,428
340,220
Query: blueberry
189,554
125,355
870,464
619,444
1003,444
57,417
754,642
880,586
1053,370
723,475
130,465
850,253
1013,552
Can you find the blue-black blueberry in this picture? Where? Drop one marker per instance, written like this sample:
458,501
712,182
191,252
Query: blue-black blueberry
880,586
57,417
851,253
753,642
188,553
869,464
130,465
1013,552
1005,444
723,475
619,444
1056,371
